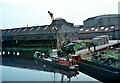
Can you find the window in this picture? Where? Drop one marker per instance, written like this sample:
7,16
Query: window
18,30
96,29
102,27
4,31
9,30
25,29
53,28
87,30
92,28
31,29
14,30
106,29
112,27
45,27
38,28
81,29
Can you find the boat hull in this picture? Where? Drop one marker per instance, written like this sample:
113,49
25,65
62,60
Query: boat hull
100,72
53,63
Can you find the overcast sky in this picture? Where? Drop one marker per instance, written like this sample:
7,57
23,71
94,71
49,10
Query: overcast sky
20,13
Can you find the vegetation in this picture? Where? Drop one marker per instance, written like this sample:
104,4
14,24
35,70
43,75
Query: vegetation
79,45
109,58
82,45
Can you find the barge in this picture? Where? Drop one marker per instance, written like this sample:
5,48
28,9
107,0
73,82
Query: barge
63,63
102,73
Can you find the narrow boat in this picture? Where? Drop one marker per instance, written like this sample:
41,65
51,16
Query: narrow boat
50,68
103,73
60,62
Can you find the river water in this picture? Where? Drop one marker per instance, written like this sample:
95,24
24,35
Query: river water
29,70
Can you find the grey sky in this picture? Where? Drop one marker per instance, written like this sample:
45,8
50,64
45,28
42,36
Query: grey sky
20,13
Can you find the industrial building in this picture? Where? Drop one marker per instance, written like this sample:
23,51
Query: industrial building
102,21
49,36
44,37
101,25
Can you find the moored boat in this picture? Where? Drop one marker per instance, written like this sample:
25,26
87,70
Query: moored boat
61,62
103,73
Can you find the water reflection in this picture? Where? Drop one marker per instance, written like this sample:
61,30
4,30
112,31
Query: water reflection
30,70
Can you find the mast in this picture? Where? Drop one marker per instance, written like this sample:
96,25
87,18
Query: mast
51,15
52,18
55,28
